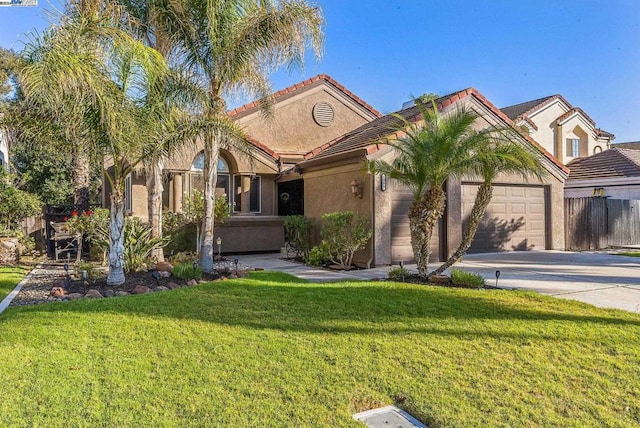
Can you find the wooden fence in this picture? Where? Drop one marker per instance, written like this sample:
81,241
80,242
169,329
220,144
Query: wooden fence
595,223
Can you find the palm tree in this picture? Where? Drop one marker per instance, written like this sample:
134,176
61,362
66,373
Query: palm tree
231,46
91,62
502,156
438,147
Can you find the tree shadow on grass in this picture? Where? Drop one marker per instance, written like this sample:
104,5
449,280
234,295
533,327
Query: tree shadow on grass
361,308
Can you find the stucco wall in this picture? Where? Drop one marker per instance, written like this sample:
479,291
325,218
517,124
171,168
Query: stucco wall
292,129
329,190
545,119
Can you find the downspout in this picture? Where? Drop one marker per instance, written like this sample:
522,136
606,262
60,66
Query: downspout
373,219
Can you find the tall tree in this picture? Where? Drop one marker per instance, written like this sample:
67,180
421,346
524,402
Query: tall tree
231,46
92,60
432,150
502,156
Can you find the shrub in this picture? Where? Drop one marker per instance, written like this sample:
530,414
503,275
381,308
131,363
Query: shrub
92,272
15,204
94,225
297,233
184,257
318,256
186,271
464,279
398,272
138,244
344,233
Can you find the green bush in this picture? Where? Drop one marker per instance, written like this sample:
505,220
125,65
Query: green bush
297,233
92,272
186,271
138,244
464,279
318,256
398,272
344,233
184,257
15,204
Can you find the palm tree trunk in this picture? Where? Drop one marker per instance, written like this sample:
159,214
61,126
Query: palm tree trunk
211,153
483,197
116,238
154,204
423,217
80,175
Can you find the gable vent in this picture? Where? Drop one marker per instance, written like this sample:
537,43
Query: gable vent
323,113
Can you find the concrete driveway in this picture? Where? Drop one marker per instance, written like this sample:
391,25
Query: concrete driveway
603,280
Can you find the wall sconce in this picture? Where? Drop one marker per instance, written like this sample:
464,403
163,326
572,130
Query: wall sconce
383,182
356,188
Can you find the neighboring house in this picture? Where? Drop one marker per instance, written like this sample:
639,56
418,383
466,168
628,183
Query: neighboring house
613,173
262,190
521,216
565,131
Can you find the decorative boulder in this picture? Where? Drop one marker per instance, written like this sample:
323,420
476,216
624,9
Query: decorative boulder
57,292
192,282
164,274
160,288
141,289
243,274
9,250
439,279
121,293
164,267
93,294
172,285
74,296
109,293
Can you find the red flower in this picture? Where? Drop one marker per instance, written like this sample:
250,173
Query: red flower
89,212
74,213
65,218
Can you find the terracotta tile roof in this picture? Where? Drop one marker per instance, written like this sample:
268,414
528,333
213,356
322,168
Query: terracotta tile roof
263,147
607,164
515,111
371,136
634,145
314,81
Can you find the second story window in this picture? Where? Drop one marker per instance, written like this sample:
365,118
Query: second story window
574,147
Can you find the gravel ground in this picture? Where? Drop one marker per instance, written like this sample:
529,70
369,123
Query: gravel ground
37,287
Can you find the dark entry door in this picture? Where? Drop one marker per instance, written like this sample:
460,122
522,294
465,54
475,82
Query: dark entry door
291,198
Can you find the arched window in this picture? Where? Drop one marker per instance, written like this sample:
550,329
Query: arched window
197,180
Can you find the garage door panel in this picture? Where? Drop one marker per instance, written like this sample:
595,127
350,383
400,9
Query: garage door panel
513,221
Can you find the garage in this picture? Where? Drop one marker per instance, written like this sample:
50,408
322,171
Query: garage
515,220
401,250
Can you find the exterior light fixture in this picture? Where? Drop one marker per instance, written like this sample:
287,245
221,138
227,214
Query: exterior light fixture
236,263
356,188
383,182
219,243
195,266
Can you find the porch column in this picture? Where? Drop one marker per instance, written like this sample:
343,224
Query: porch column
177,193
246,192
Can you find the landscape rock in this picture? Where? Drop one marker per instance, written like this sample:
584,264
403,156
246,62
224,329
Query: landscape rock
93,294
109,293
121,293
192,282
259,269
74,296
439,279
57,292
172,285
141,289
164,274
164,267
233,276
160,288
243,274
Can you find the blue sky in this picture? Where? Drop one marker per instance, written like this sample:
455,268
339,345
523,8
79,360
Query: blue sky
511,51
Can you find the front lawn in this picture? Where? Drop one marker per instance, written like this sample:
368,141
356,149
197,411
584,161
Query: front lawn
275,351
9,278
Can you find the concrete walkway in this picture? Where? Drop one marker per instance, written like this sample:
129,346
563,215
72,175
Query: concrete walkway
603,280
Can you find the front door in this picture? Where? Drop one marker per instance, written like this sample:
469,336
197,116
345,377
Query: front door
291,198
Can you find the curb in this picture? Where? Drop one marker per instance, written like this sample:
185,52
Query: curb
7,300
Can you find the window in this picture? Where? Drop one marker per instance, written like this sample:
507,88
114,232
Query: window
197,179
574,147
255,191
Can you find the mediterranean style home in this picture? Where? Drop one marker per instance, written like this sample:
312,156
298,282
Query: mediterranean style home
565,131
309,158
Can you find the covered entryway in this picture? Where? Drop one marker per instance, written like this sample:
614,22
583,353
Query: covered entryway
515,220
401,199
291,198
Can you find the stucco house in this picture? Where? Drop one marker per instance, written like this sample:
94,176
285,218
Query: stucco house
614,174
565,131
523,215
4,148
260,192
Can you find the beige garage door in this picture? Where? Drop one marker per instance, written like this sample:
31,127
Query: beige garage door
401,250
514,220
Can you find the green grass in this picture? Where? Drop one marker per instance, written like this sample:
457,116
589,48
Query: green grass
630,254
275,351
9,278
